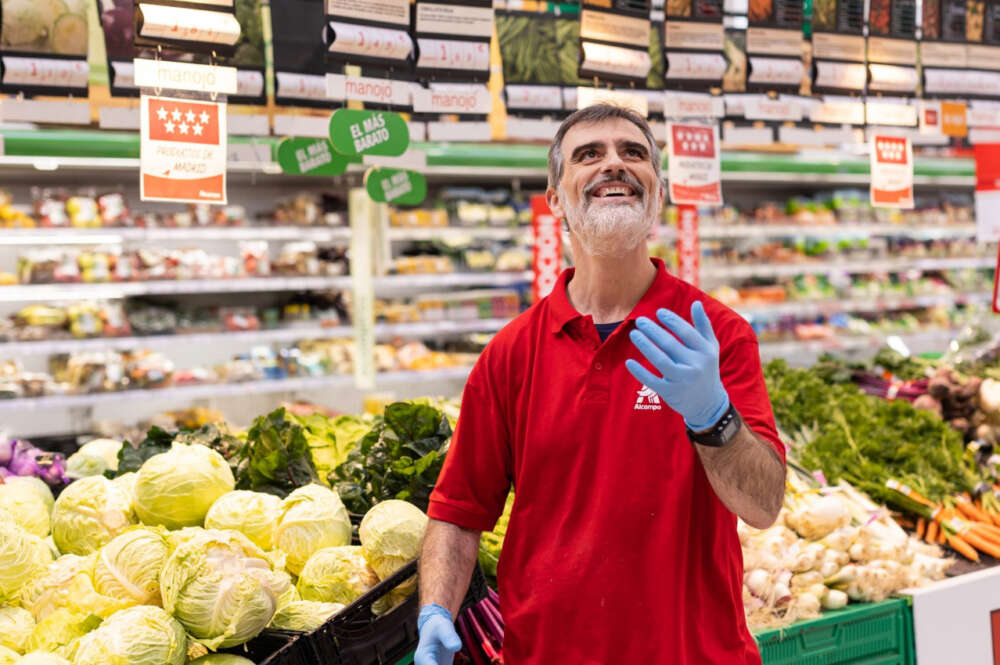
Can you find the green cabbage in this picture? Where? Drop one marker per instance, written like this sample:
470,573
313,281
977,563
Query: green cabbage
221,587
391,534
253,514
9,657
176,488
290,596
59,631
37,484
88,514
129,566
336,575
312,518
304,615
20,559
25,505
66,583
43,658
94,458
126,481
221,659
141,635
16,625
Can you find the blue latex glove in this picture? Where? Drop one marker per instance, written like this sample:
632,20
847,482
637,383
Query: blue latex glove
690,382
438,640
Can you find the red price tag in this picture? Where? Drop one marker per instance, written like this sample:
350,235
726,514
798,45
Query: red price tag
547,253
688,249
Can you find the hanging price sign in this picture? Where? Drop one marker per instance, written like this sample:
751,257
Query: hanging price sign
892,172
397,186
547,252
306,156
987,191
693,165
688,249
354,132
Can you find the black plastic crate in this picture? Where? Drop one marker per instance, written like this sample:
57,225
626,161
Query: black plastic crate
276,647
355,636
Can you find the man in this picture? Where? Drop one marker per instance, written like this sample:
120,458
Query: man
629,412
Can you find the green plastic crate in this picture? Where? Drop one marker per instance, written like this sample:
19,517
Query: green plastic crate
864,634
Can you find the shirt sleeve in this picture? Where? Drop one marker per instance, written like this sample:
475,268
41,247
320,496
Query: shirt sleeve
472,488
743,377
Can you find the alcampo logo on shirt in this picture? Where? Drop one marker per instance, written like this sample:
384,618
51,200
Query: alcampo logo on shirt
647,400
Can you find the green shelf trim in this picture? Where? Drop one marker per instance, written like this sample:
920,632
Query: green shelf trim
105,144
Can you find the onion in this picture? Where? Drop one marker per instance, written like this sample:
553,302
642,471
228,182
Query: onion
758,581
834,600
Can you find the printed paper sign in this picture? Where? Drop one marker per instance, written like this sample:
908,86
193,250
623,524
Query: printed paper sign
987,191
183,150
930,116
547,252
892,171
954,121
688,251
693,166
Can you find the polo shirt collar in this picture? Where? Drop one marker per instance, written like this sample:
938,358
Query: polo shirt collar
561,311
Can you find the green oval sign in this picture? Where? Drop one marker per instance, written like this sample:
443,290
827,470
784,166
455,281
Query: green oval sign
305,156
397,186
354,132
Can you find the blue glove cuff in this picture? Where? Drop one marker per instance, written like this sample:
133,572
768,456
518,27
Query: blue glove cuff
428,611
713,418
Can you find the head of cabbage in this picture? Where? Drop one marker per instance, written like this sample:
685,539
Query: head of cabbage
126,481
129,566
24,503
141,635
60,631
176,488
9,656
304,615
391,534
336,575
221,587
21,558
43,658
16,624
88,514
253,514
94,458
312,518
67,583
37,484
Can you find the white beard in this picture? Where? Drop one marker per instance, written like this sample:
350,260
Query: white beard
610,230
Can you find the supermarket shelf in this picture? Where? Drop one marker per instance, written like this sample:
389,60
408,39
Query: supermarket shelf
886,304
437,233
49,292
262,387
110,235
435,329
805,352
387,284
707,231
722,272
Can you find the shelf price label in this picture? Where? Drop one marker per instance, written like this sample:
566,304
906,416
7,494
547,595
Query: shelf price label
307,156
354,132
399,186
693,166
183,150
892,172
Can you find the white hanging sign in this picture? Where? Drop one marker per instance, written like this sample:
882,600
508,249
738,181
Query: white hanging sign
367,89
183,150
693,105
363,40
166,75
693,164
468,98
892,171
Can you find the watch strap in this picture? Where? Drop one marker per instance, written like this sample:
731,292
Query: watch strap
721,433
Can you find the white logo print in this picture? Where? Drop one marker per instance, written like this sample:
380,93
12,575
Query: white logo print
647,400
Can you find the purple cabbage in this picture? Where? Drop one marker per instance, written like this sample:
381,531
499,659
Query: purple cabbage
27,460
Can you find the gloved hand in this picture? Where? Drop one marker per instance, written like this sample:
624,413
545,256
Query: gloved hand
690,382
438,640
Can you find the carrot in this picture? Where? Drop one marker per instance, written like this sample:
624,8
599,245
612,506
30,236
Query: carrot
921,527
907,491
942,538
982,544
968,509
962,547
932,531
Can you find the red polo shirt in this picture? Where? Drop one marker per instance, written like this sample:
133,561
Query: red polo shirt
618,551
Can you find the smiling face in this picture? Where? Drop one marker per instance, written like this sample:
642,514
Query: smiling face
609,193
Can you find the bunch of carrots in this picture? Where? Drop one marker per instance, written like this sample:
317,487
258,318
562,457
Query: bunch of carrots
969,526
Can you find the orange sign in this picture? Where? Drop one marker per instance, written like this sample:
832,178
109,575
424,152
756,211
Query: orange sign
953,119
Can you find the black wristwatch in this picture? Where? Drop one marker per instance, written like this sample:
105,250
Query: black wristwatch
721,433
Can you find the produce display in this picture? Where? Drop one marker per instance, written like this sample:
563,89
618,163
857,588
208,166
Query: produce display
198,540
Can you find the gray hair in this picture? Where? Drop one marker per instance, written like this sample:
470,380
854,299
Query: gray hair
597,113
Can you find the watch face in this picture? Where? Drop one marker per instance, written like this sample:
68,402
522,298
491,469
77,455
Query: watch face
731,428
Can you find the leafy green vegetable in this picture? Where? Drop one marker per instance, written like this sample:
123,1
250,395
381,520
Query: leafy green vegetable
400,458
864,439
217,437
130,457
330,440
276,457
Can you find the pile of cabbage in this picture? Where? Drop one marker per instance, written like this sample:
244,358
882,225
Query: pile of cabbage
169,564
